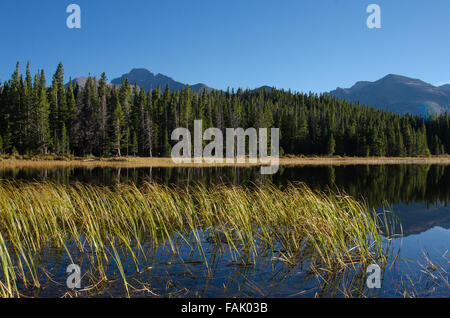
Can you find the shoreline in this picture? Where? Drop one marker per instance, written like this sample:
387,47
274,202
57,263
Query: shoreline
142,162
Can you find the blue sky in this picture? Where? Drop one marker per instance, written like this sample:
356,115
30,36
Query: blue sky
308,45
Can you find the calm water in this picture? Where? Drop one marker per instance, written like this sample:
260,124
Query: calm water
419,196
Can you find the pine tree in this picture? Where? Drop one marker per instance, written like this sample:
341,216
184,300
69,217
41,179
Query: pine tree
15,102
118,122
41,116
70,121
28,105
103,116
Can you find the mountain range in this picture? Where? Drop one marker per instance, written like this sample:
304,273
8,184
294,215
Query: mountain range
396,93
399,94
146,79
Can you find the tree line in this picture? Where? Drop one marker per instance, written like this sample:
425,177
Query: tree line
106,120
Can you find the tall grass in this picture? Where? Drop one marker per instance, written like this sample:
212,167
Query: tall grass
333,231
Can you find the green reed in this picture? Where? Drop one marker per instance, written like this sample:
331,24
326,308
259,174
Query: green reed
333,231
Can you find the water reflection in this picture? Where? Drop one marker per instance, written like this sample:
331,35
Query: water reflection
163,272
419,195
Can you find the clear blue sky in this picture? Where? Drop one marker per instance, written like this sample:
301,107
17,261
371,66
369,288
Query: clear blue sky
305,45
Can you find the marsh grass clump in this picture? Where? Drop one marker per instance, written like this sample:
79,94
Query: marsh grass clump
332,231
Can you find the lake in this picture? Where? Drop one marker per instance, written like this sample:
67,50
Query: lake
418,263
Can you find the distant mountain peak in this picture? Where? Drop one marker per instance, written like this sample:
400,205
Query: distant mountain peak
399,94
266,88
140,72
403,80
80,80
395,76
445,87
146,79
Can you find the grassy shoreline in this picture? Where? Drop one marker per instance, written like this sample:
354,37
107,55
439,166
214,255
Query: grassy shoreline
142,162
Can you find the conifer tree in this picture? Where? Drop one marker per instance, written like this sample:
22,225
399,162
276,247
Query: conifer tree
118,122
40,116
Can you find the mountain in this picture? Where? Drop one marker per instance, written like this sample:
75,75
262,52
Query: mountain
81,81
399,94
146,79
267,89
396,93
445,87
